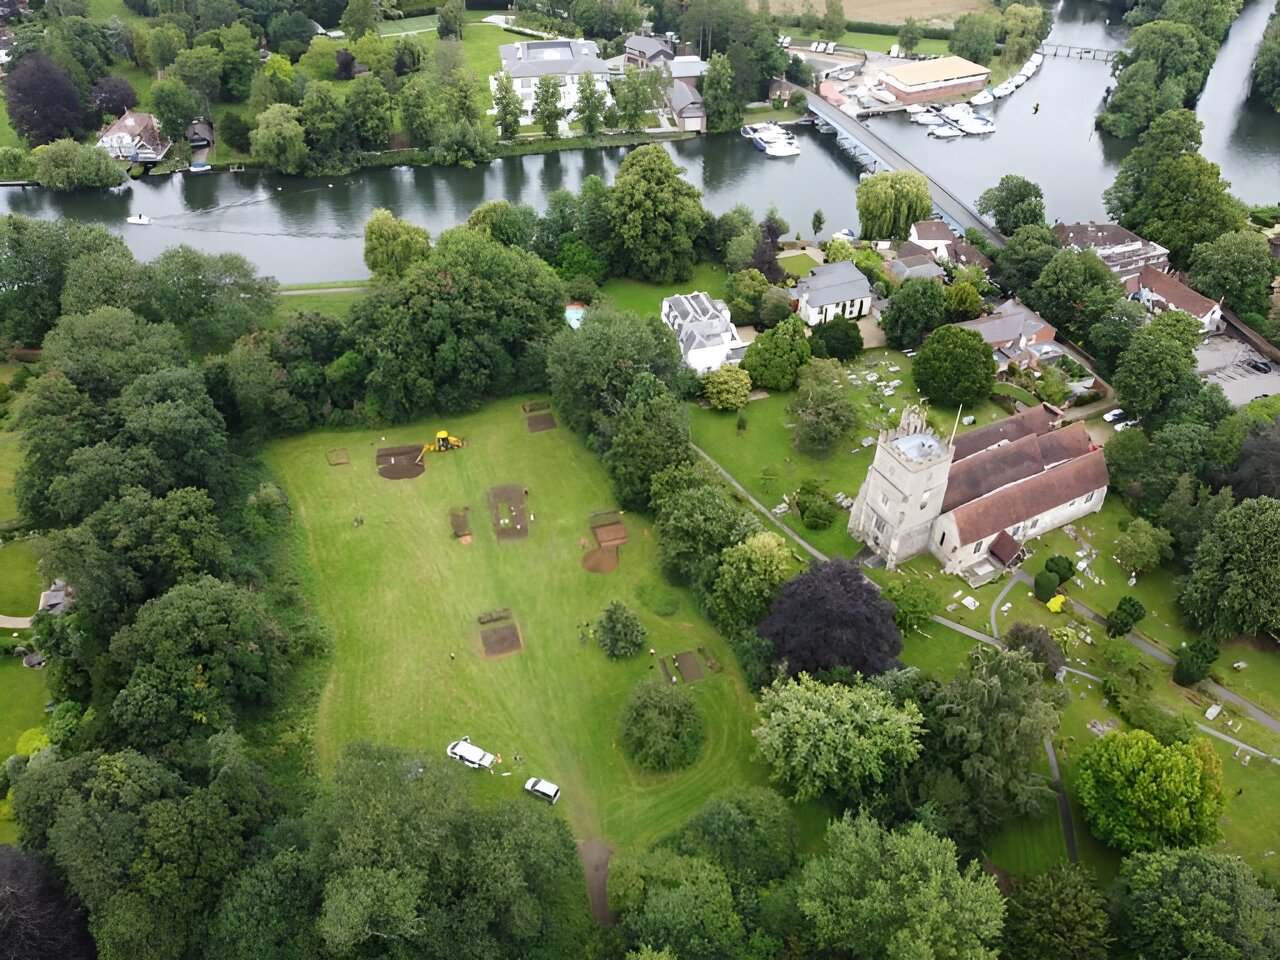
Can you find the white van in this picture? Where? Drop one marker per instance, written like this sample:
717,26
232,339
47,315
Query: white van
542,789
467,752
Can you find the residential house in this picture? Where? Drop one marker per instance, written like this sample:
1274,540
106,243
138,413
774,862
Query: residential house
921,265
1013,330
964,254
974,500
688,112
1124,252
646,52
565,59
688,69
704,327
913,249
134,137
832,290
922,80
1162,291
933,235
199,133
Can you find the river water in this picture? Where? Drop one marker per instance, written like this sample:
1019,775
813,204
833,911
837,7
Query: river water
305,231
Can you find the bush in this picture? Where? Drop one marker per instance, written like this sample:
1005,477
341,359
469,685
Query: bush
1039,643
914,601
1060,567
816,509
1194,661
727,388
660,727
582,288
1046,586
1168,728
619,631
1128,612
234,132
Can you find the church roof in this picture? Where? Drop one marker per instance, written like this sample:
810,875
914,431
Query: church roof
1020,502
1029,455
1033,421
1004,548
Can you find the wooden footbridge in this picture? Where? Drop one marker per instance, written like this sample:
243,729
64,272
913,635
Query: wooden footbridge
1078,53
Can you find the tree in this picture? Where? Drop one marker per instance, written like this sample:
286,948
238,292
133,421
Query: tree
1164,68
113,95
974,37
822,411
1038,644
278,141
1024,26
914,603
660,727
839,338
507,106
843,740
915,308
775,303
360,17
748,579
774,359
42,101
963,301
1013,202
1110,336
1143,547
37,919
832,616
369,112
1046,585
724,109
200,68
174,106
816,223
1189,511
833,22
392,246
1127,614
650,435
547,112
633,95
910,35
1058,913
1233,588
1266,68
1075,289
619,631
1157,361
591,104
742,293
898,893
889,203
696,521
749,832
1181,903
212,298
1195,659
655,217
1021,261
727,388
1061,567
1140,795
1237,269
451,19
955,367
240,58
67,165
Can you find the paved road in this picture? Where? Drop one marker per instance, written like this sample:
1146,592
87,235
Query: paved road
953,206
1064,805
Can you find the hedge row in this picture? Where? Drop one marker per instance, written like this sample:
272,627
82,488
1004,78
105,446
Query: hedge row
879,29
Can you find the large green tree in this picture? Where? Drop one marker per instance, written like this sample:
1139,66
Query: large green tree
1013,202
1074,290
749,832
893,894
889,203
591,104
547,112
392,245
1059,913
1020,261
655,217
955,367
650,435
1151,372
507,106
750,575
1140,795
915,308
1142,546
1236,268
821,408
173,105
279,141
974,37
724,109
1234,587
776,357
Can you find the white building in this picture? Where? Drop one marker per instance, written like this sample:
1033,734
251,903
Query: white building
704,327
933,235
566,60
134,137
972,502
1123,251
832,290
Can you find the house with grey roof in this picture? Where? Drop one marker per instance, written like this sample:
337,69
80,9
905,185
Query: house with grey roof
704,327
644,52
1014,332
687,109
565,59
922,265
832,290
688,69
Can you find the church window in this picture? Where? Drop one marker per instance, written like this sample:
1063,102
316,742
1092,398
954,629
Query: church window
977,547
942,538
884,499
1089,497
879,524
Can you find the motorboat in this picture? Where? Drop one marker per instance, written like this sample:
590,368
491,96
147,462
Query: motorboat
883,95
749,130
1003,90
1028,70
782,148
846,74
945,133
1017,80
139,219
976,125
1036,58
980,99
928,120
914,108
200,168
867,102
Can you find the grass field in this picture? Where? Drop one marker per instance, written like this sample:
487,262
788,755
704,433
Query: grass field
8,136
22,697
9,457
403,597
396,28
879,42
936,650
797,264
335,304
646,298
19,579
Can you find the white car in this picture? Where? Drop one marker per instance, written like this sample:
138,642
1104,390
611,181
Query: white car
1111,416
542,789
1126,425
467,752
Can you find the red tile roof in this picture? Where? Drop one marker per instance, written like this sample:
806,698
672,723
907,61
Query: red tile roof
932,230
1172,291
1033,421
1012,505
1004,548
1029,455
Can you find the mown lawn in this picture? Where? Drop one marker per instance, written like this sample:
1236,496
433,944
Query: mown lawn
870,41
646,298
402,597
19,579
797,264
335,304
936,650
10,455
395,28
106,9
22,697
8,136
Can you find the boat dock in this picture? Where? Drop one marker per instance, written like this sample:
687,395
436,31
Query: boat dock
885,157
1077,53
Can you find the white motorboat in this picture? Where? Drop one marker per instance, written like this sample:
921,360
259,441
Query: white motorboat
1017,80
782,148
976,126
945,133
139,219
1028,70
883,95
914,108
1003,90
867,102
928,120
1036,58
846,74
981,99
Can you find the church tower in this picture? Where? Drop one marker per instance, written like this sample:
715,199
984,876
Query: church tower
902,495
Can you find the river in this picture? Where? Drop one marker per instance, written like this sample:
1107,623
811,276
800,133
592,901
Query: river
1058,146
255,213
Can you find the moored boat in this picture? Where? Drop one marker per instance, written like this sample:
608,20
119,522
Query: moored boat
982,98
138,219
945,133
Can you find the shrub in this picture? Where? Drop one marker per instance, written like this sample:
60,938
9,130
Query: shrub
1046,585
619,631
814,506
727,388
235,132
1060,567
1128,612
660,727
1039,643
1194,661
915,603
582,288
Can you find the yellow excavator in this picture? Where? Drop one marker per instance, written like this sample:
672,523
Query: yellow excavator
443,444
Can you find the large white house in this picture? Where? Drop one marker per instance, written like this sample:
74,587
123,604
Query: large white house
832,290
973,501
564,59
134,137
704,327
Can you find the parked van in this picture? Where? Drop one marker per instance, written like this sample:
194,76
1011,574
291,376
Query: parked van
542,789
467,752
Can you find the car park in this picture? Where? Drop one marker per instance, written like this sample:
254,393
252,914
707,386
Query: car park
542,789
1111,416
467,752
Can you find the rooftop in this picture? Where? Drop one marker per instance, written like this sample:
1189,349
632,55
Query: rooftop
648,47
918,446
1171,290
1029,498
700,321
1010,322
935,71
1033,421
834,283
535,58
932,230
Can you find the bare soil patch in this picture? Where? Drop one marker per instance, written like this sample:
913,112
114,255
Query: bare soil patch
533,406
595,855
500,641
506,508
400,463
460,522
600,560
338,456
540,422
610,535
689,667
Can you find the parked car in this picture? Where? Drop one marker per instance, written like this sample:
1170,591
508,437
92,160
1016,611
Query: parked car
1126,425
1111,416
1261,366
467,752
542,789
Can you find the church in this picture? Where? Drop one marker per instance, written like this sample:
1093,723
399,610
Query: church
972,501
